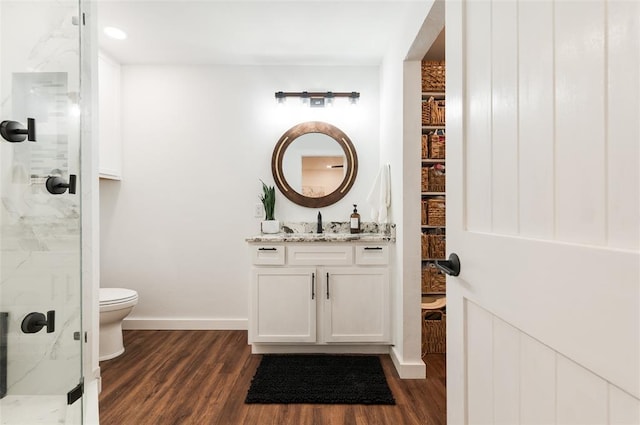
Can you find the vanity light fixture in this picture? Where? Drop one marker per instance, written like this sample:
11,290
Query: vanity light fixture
318,99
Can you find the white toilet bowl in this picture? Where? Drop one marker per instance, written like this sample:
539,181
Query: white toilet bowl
115,305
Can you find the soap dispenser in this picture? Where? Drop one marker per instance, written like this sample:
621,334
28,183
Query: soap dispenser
355,220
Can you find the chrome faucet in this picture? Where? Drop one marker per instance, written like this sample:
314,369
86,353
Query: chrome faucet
319,228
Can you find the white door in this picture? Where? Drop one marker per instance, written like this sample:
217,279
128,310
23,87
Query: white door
543,210
356,304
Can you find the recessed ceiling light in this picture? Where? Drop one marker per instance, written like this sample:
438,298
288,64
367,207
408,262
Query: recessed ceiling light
115,33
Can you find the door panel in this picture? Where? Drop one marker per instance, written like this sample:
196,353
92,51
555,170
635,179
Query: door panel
355,304
537,382
283,305
537,210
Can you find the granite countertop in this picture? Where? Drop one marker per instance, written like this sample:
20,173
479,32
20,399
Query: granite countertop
332,232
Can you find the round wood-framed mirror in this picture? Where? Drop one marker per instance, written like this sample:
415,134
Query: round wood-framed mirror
314,164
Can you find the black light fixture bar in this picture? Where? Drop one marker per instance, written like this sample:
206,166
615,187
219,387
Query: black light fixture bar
317,98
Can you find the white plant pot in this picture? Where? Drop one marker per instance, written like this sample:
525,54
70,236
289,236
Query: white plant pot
270,226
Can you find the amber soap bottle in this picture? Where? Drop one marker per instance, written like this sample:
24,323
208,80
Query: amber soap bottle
355,220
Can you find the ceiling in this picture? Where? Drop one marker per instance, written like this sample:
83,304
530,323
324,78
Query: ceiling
300,32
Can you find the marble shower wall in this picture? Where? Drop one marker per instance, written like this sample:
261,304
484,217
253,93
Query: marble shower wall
40,232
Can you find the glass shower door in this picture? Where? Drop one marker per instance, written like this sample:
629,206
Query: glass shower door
40,286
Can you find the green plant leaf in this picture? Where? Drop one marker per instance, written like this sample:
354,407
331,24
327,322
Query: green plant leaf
268,199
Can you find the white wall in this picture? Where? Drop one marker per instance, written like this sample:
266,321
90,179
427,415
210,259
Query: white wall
196,141
400,147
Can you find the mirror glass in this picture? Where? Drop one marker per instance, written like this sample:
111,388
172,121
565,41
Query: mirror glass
314,164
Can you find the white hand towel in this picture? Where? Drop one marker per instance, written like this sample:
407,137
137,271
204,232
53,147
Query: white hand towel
380,195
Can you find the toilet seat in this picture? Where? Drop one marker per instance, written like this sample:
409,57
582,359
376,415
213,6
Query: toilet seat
115,296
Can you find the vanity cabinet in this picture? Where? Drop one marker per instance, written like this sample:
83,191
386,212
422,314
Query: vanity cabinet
320,294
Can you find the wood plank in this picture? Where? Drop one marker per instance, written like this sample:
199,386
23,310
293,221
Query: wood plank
504,105
582,396
478,117
506,373
535,97
580,168
202,377
537,382
623,132
623,408
480,364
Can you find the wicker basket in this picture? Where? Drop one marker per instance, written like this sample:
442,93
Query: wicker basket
434,332
425,179
436,178
433,279
433,112
433,179
423,213
437,246
425,245
436,213
436,145
433,245
433,76
425,146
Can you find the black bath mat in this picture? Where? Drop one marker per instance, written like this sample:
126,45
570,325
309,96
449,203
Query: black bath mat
320,379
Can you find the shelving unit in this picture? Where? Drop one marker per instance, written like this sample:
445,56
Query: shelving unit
433,225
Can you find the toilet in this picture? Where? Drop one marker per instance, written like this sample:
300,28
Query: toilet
115,305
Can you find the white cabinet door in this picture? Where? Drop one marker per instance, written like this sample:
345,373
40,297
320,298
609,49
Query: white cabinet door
110,132
543,322
283,305
355,304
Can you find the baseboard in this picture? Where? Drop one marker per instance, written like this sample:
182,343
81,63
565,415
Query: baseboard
318,348
407,370
185,324
90,410
98,378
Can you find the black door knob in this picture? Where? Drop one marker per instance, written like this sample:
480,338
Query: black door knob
13,131
450,266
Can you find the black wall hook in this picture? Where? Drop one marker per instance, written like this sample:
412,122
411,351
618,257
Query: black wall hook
13,131
57,185
35,321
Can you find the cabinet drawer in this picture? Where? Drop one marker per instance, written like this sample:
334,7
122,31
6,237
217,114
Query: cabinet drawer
320,255
268,255
372,254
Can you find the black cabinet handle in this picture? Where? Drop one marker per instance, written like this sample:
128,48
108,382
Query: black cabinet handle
4,332
327,285
450,266
313,286
267,249
57,185
373,248
13,131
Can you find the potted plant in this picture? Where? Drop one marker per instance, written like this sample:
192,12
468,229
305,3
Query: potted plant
268,198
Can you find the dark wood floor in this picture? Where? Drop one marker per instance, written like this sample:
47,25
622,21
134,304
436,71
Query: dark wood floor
202,377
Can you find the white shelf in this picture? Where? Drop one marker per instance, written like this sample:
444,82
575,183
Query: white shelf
433,193
433,161
425,226
434,127
428,94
